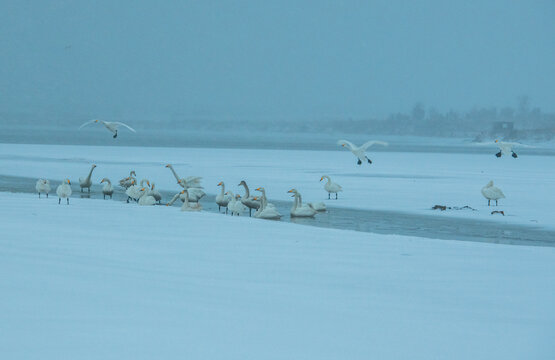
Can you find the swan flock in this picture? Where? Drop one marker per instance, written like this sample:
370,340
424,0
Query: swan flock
144,193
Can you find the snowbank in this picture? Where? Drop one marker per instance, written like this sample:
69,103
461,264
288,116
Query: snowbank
106,280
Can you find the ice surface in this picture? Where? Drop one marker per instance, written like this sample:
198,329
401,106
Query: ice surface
102,279
397,181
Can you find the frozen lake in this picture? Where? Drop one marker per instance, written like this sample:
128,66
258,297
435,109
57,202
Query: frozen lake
371,221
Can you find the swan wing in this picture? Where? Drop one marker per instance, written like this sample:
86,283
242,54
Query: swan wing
87,123
367,144
124,125
349,144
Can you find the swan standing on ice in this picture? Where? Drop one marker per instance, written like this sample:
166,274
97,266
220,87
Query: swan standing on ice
155,193
266,209
111,126
134,191
506,148
145,199
298,209
191,183
64,191
223,199
107,189
87,182
188,206
43,186
491,192
128,181
331,187
235,205
360,151
248,200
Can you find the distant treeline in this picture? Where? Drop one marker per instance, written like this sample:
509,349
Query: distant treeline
519,122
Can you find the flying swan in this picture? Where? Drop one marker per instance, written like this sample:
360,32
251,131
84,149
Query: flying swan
111,126
360,151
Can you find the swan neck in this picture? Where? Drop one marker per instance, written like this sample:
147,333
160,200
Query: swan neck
247,192
174,173
90,173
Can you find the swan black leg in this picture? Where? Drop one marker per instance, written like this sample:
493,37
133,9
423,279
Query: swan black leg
67,200
219,208
329,196
369,161
81,189
39,195
59,201
250,212
128,197
89,190
514,155
335,196
47,195
116,134
488,202
495,202
104,196
498,154
359,162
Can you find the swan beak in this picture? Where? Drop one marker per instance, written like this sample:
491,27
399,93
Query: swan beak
343,145
255,198
96,120
102,181
290,191
182,192
257,189
496,140
226,193
143,189
68,182
322,178
168,165
220,183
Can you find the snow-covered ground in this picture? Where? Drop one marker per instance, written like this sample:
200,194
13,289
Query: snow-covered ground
397,181
105,280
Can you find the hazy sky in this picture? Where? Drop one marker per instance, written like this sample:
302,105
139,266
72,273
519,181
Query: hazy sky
268,59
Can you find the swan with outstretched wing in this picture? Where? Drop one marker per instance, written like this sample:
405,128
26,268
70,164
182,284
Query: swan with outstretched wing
112,126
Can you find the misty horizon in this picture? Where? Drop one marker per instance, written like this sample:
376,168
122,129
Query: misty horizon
273,60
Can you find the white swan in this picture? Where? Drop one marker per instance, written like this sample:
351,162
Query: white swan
155,193
133,192
191,183
506,148
145,199
318,206
64,191
112,126
188,182
223,199
331,187
128,181
266,210
86,182
298,209
43,186
107,189
248,199
235,206
491,192
360,151
187,206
